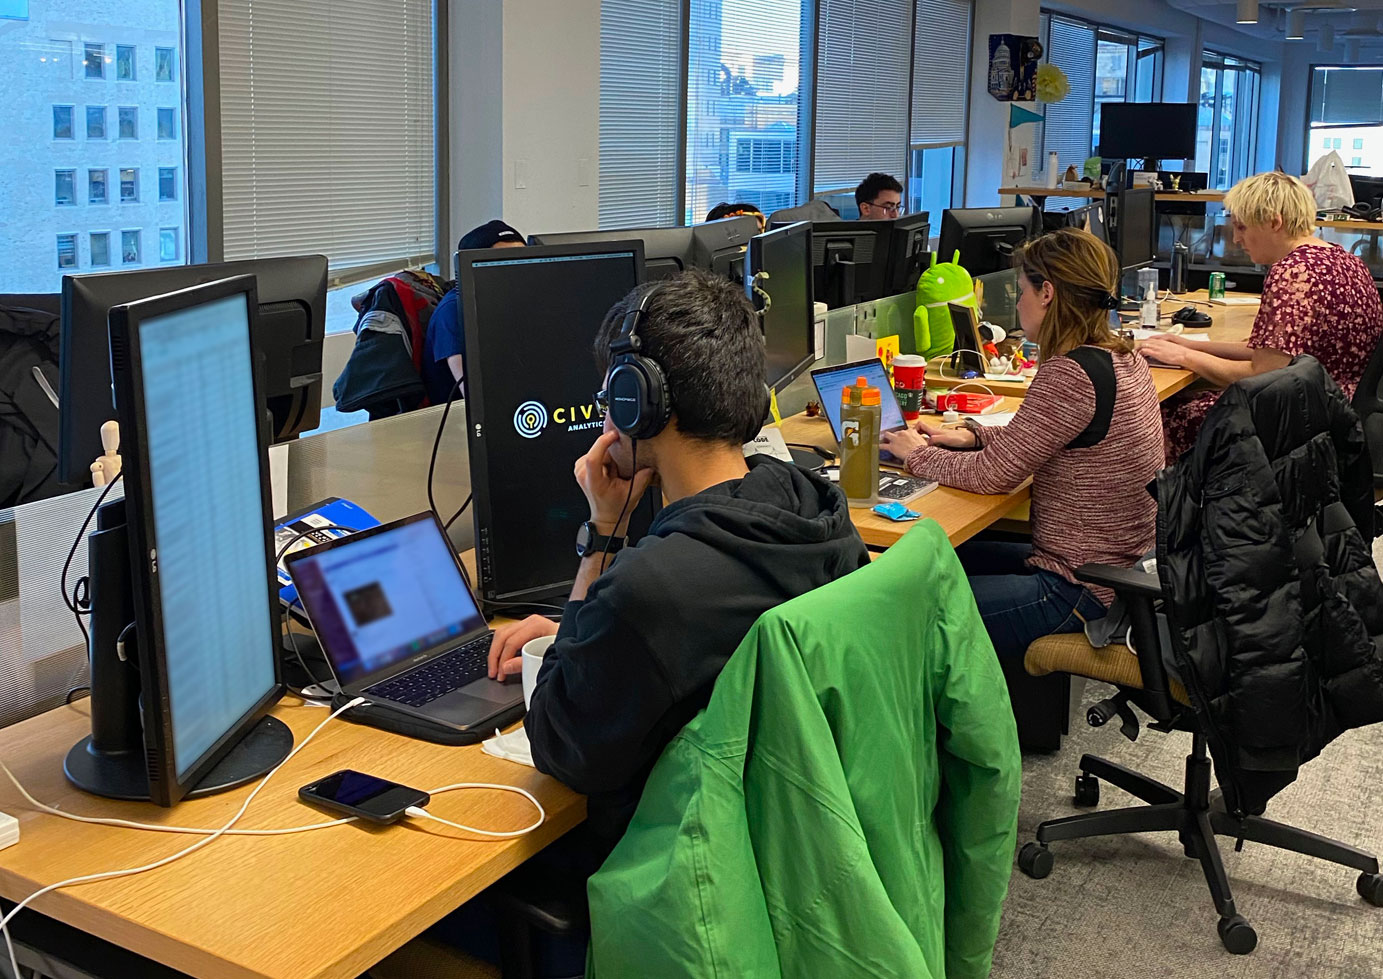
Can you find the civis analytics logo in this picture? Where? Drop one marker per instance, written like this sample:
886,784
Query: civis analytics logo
530,419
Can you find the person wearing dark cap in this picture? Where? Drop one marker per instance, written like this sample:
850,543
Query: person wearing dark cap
446,342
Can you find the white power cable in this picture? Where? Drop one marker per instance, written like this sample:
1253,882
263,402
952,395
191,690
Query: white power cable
418,812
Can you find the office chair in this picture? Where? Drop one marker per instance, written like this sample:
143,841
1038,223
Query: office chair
1368,405
1194,813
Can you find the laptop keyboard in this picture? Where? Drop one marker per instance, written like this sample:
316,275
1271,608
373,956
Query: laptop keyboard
438,677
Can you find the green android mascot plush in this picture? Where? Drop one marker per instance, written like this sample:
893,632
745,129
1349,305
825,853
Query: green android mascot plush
938,287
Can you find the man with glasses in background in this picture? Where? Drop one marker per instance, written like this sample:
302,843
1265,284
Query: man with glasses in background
880,197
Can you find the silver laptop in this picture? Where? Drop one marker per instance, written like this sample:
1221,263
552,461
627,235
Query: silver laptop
400,626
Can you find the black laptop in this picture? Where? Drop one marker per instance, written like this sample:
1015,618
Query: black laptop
400,626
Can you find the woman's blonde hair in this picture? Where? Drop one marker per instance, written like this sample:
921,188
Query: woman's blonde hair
1257,200
1084,274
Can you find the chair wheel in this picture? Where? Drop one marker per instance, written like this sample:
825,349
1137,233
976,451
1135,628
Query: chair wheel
1238,935
1035,860
1087,790
1370,888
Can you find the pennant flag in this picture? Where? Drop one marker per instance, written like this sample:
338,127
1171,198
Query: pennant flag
1017,115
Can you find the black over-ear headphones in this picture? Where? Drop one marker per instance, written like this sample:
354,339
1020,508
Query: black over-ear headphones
637,392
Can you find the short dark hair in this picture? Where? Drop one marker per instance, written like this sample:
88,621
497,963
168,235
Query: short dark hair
704,332
875,184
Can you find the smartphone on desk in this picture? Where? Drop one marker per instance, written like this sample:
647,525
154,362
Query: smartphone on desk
366,796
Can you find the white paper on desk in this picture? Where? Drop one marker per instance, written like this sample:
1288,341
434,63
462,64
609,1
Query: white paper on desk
1139,333
995,419
513,747
1010,378
769,442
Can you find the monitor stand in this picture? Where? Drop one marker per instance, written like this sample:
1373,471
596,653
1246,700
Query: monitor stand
110,762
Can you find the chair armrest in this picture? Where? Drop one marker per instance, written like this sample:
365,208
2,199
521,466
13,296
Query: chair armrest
1128,582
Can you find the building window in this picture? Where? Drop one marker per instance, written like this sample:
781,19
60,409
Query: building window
167,124
96,189
1128,68
1346,102
124,62
167,183
94,60
1358,144
129,247
1335,143
14,9
1227,120
744,86
129,185
163,64
127,119
62,122
96,122
168,244
1355,161
65,187
67,251
100,249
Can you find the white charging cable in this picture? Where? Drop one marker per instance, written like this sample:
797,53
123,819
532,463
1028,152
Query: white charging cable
418,812
108,875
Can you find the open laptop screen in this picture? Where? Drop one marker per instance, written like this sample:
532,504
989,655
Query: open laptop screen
830,381
383,596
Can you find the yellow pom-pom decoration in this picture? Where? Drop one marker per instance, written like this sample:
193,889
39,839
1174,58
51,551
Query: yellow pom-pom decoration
1052,83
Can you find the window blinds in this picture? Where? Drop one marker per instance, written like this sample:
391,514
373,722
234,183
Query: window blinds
940,72
1347,96
327,131
862,73
1069,123
640,112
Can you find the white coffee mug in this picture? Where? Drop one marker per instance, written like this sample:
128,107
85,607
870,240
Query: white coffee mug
533,652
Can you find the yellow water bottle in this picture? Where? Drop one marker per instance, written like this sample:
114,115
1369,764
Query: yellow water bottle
861,412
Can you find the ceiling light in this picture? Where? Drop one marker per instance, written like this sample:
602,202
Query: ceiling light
1248,12
1325,41
1296,24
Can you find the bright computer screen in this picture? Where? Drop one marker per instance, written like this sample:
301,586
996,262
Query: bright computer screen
202,446
829,384
380,598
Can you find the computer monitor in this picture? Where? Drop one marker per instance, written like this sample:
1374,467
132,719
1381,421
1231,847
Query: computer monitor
785,256
667,251
721,245
291,324
1132,226
200,556
850,261
907,254
986,237
1149,131
531,317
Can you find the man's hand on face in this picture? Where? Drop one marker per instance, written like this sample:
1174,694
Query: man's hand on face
607,492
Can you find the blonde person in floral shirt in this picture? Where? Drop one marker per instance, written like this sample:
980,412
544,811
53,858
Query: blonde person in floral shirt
1318,299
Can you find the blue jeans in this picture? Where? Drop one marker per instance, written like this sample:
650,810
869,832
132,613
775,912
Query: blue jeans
1020,603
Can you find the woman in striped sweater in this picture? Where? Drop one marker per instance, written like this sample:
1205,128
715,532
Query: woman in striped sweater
1089,434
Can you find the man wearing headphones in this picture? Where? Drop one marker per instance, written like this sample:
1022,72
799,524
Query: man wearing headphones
649,627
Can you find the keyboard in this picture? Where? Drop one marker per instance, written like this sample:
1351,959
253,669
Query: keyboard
438,677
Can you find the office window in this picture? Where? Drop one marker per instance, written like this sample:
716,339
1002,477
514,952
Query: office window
129,185
67,251
1227,120
129,247
168,245
167,124
1068,127
62,122
936,163
100,249
167,183
1128,68
163,64
94,60
640,112
861,123
1355,161
1346,102
67,66
124,62
64,187
744,78
14,9
308,171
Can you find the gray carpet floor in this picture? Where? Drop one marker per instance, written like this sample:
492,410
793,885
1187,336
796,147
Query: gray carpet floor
1136,906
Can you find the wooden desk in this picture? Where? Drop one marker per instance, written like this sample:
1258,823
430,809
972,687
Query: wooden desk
1366,227
1095,193
962,515
321,905
1232,324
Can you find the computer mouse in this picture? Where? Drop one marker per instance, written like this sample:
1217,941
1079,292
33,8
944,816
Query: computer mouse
1191,316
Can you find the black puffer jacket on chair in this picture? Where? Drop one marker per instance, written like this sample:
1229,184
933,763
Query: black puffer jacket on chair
1275,604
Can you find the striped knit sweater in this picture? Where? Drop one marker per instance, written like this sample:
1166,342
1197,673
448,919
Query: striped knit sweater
1088,504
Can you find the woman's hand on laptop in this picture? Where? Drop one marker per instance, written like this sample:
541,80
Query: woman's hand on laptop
506,647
